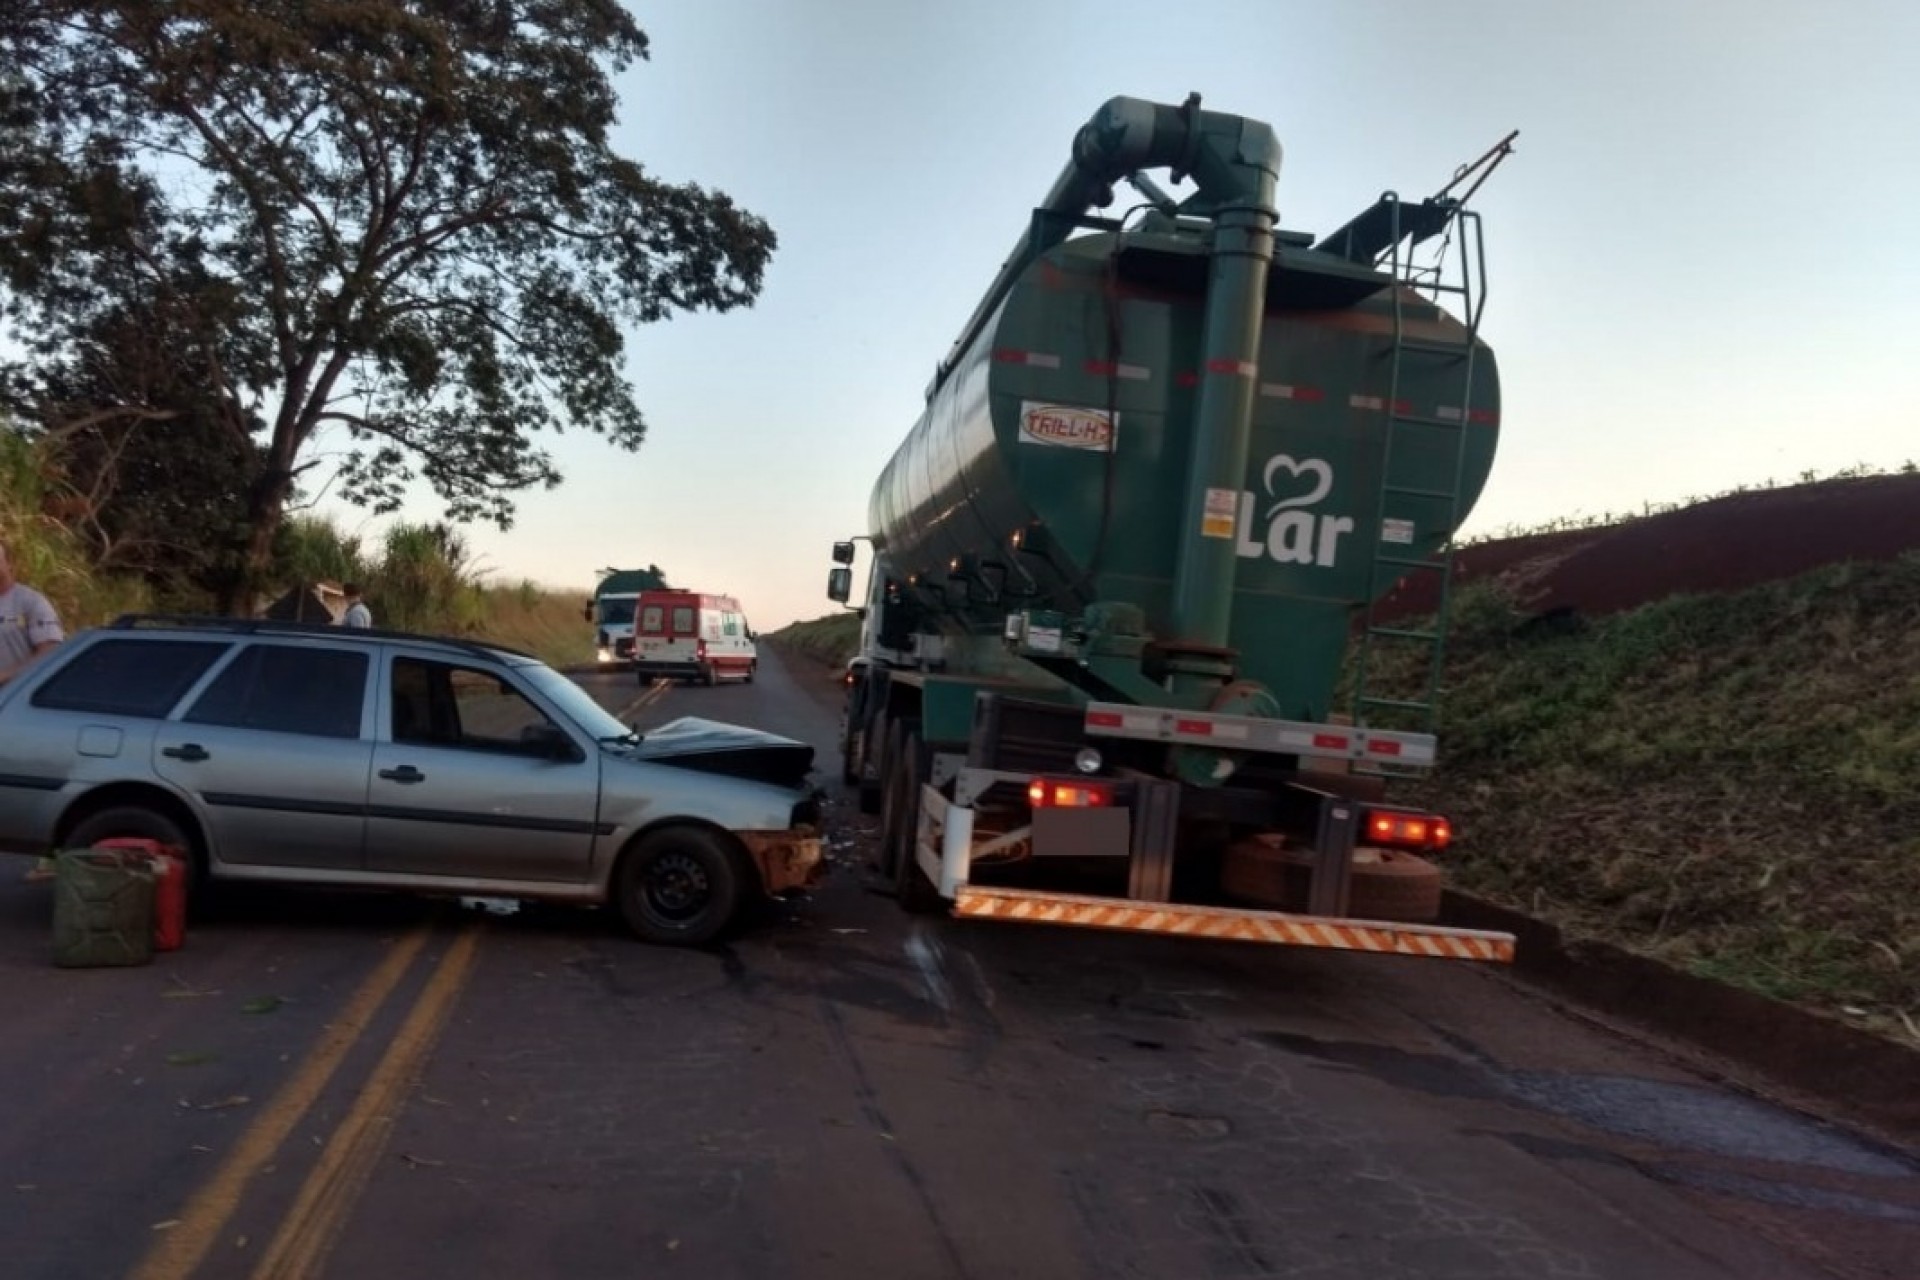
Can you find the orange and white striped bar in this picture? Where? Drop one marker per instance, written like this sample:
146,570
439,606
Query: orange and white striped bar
1232,923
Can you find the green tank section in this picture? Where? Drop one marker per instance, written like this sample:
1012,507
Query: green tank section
1049,470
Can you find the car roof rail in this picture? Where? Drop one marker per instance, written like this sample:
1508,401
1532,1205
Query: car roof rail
275,626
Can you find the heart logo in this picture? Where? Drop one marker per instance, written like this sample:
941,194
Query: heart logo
1314,468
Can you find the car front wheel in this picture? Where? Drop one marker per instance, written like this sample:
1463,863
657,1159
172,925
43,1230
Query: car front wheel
681,886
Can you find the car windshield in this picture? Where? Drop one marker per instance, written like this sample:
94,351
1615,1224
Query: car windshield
574,702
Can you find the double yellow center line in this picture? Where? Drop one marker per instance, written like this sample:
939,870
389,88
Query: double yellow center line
353,1149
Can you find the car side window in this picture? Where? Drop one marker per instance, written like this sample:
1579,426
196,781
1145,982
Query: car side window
128,677
444,704
287,689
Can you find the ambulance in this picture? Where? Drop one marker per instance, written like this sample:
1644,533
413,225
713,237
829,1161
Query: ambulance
687,635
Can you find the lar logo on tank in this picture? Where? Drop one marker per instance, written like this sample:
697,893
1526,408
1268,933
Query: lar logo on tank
1066,426
1280,527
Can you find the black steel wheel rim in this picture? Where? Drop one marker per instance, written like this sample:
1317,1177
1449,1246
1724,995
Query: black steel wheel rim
675,886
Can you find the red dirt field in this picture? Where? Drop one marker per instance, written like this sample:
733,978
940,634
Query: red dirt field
1723,544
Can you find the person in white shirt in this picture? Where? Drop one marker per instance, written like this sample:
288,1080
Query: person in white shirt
28,628
357,614
28,625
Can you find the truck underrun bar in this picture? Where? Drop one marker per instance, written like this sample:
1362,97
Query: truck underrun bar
1231,923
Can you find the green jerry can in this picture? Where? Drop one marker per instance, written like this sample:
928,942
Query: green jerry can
102,908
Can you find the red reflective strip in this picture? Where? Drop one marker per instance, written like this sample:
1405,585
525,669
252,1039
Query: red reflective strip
1106,719
1238,368
1285,391
1038,359
1403,406
1114,369
1188,378
1200,727
1330,742
1487,416
1377,747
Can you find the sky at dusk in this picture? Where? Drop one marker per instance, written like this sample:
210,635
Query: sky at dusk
1699,277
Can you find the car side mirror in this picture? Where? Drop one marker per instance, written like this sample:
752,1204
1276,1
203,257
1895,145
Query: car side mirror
839,585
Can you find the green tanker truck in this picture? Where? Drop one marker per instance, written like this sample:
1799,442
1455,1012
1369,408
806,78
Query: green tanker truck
1118,664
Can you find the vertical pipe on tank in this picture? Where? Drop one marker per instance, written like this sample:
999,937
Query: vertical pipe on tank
1217,467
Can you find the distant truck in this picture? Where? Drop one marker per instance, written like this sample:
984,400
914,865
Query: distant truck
1119,565
611,609
690,635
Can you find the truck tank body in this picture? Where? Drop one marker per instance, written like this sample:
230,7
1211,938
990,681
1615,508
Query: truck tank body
1071,411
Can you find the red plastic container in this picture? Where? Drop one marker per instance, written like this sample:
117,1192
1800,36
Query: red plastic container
169,864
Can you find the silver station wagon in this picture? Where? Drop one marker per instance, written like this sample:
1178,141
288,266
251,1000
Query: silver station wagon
378,759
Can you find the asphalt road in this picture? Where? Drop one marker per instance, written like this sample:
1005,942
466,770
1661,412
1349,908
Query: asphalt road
348,1086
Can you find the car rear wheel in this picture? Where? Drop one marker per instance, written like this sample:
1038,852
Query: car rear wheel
681,886
137,822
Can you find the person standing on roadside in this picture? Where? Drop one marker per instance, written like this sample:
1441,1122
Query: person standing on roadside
28,625
28,628
357,614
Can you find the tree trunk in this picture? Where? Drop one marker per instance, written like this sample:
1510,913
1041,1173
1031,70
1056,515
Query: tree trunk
266,507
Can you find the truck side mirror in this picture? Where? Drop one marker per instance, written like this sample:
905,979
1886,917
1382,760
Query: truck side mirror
840,583
843,553
586,611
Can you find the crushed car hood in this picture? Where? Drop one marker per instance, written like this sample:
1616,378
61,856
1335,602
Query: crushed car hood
712,746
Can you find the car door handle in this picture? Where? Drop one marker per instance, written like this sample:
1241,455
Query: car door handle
405,773
191,751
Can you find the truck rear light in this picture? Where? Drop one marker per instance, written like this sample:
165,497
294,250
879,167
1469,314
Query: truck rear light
1403,830
700,650
1053,793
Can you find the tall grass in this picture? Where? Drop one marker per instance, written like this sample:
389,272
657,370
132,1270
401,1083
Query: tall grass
48,556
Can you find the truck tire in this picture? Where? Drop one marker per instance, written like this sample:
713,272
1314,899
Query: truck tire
911,889
1387,884
891,798
873,765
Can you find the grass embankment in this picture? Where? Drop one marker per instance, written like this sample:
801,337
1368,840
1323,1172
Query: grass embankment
828,641
1729,783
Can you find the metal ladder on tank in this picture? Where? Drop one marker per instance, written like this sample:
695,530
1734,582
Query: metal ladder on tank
1459,272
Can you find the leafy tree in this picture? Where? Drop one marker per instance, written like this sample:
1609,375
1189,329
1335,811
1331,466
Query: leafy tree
403,217
147,465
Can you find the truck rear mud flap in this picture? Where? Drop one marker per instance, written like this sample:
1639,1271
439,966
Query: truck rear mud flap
1236,924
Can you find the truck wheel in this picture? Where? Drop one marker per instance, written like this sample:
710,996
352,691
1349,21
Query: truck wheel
751,668
911,888
708,676
681,886
872,782
1387,884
